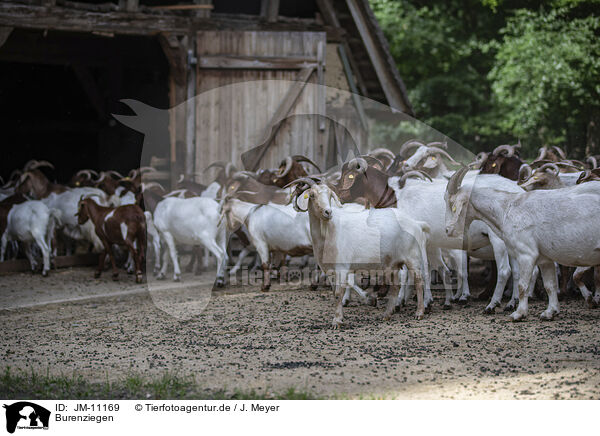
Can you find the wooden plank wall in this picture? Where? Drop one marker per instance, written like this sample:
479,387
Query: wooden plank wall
232,119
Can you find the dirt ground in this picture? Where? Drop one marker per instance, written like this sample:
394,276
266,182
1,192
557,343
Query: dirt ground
70,322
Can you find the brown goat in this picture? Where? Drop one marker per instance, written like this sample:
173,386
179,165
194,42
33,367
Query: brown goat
290,169
36,185
504,160
247,188
123,225
83,178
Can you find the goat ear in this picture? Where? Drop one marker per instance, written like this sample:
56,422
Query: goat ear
336,199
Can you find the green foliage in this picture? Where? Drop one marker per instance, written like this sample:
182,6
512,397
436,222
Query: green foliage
490,71
546,77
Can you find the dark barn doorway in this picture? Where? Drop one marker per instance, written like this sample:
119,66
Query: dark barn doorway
58,91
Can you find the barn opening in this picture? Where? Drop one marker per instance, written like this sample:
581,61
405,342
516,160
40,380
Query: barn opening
59,89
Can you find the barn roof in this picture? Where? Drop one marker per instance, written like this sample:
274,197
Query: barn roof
349,22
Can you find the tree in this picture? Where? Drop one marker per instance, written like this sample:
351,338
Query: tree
546,79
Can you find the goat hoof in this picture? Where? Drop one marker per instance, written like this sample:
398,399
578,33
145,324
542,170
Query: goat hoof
463,301
387,317
138,278
446,306
419,315
589,301
345,302
160,277
337,324
44,273
115,277
97,274
516,316
176,278
547,315
428,308
510,306
220,282
372,301
265,288
489,310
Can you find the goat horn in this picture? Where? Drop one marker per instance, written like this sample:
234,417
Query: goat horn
310,182
216,164
143,170
114,173
592,161
438,144
151,184
87,173
414,173
300,158
551,166
288,166
509,149
436,150
525,172
541,153
560,151
229,168
181,178
33,164
583,177
408,145
360,163
456,180
382,152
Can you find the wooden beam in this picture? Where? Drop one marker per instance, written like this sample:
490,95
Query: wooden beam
353,88
90,87
68,19
272,11
182,7
4,34
252,158
328,13
383,70
256,62
176,55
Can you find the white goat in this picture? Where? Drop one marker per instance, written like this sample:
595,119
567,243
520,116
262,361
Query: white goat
345,241
31,221
538,227
424,201
192,221
271,228
67,202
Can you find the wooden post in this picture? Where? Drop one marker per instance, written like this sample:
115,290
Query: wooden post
4,34
190,123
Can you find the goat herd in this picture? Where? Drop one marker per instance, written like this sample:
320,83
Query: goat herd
397,216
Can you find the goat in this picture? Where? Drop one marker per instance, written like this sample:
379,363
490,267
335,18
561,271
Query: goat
427,158
83,178
553,154
68,203
35,184
567,236
271,228
192,221
122,225
249,189
503,160
547,176
347,241
31,221
290,169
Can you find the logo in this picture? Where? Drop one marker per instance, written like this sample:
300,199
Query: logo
26,415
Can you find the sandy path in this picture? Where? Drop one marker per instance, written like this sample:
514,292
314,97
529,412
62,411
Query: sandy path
248,339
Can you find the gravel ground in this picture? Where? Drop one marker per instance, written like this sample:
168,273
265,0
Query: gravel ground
247,339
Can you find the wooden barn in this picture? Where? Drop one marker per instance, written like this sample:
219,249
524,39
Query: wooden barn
66,67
